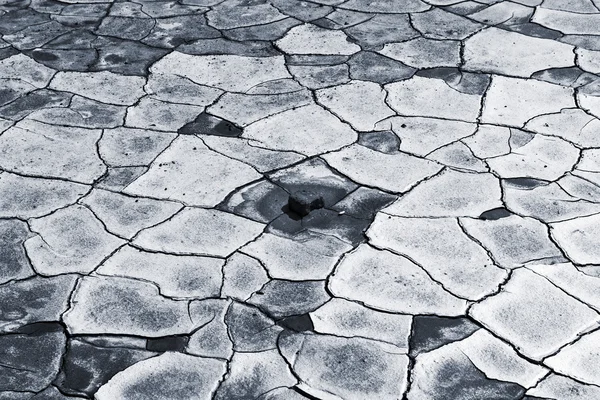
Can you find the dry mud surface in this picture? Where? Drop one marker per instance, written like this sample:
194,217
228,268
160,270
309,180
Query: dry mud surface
443,163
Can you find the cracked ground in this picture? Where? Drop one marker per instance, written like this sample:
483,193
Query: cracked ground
287,200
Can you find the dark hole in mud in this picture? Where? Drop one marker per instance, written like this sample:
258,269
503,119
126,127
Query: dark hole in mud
39,328
114,58
297,323
495,214
526,183
431,332
168,343
206,124
302,202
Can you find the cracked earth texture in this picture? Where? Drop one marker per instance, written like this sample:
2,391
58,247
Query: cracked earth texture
148,151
